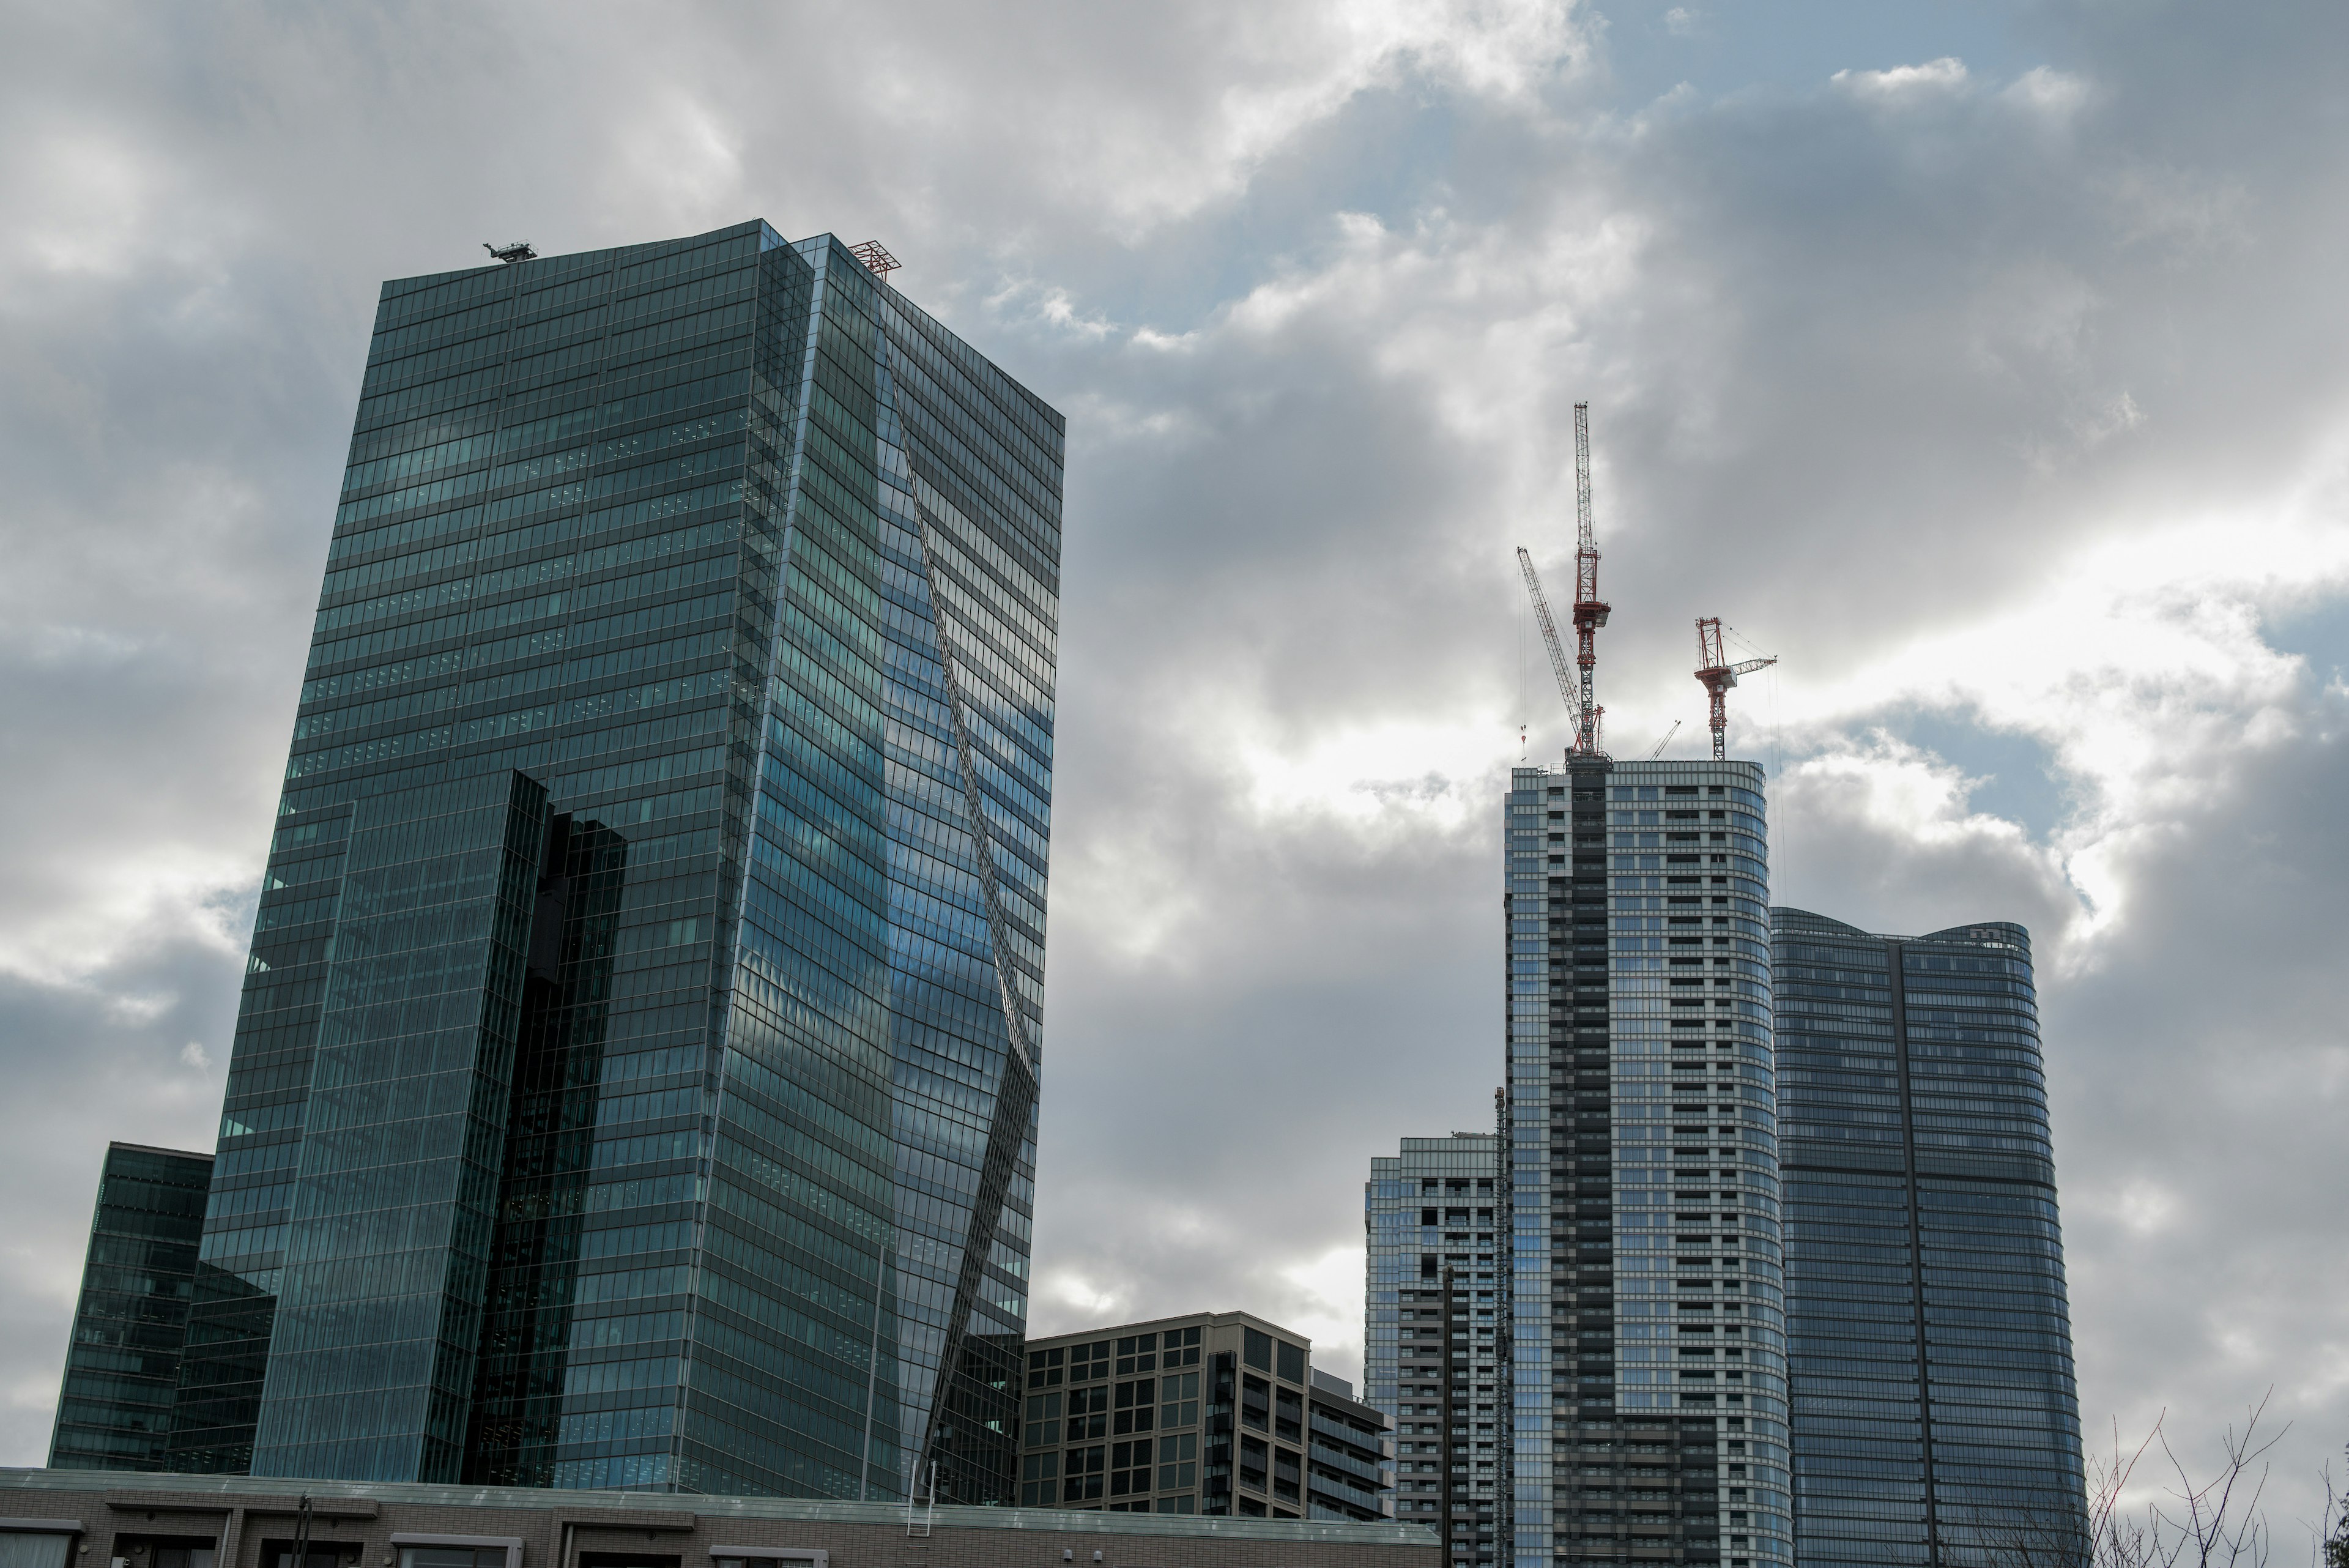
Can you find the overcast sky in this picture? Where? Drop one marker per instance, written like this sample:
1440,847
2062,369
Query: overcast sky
1990,363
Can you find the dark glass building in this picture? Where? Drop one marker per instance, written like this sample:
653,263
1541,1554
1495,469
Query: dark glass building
1929,1342
1647,1341
635,1077
122,1365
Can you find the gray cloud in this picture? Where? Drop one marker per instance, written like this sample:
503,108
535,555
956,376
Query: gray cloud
2003,399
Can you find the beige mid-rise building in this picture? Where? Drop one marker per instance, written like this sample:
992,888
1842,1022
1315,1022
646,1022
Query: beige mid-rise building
1210,1413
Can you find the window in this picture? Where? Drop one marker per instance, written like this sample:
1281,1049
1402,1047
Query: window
1044,1368
35,1549
446,1551
1287,1474
1088,1413
1081,1473
1129,1468
1181,1396
1292,1362
1289,1415
1133,1402
1078,1357
1137,1352
1040,1477
1189,1340
1256,1349
1177,1456
1256,1403
1043,1423
332,1555
1254,1454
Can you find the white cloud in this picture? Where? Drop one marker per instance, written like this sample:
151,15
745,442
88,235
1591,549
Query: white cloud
1939,78
2015,405
2057,95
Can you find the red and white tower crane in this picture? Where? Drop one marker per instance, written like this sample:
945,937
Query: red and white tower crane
1714,669
1575,685
1589,613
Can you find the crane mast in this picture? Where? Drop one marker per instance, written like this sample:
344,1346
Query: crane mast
1590,611
1718,675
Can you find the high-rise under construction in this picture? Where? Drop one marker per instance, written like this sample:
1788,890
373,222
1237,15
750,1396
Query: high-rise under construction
1648,1342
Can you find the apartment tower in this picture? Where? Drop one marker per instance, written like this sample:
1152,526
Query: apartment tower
1929,1335
1435,1318
635,1077
1648,1342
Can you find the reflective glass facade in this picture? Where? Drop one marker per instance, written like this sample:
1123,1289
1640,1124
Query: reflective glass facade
635,1079
1930,1338
1648,1339
1435,1322
130,1323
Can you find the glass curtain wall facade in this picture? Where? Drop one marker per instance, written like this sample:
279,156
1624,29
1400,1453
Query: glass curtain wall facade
123,1366
1649,1329
1935,1416
635,1079
1435,1318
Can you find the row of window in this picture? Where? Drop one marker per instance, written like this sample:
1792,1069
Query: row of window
1092,1413
1134,1353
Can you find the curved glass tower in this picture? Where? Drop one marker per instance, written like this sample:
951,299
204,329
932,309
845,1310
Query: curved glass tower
1929,1342
636,1075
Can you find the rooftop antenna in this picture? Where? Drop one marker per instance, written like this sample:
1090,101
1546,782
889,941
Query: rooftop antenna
876,259
519,251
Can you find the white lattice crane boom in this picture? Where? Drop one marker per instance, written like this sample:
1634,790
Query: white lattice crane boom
1567,686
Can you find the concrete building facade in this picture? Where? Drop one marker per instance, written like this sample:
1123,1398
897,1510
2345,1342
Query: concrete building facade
60,1519
1215,1414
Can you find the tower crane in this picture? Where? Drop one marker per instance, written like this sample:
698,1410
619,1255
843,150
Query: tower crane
1575,684
1589,612
1714,669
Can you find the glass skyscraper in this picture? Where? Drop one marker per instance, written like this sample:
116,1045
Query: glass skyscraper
636,1078
1436,1319
123,1366
1647,1341
1930,1339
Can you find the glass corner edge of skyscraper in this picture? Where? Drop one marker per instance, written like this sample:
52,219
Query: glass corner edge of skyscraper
635,1077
